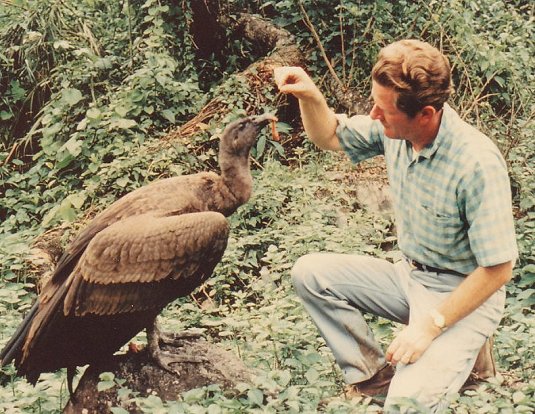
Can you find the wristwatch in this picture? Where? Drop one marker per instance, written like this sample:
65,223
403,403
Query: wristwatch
438,319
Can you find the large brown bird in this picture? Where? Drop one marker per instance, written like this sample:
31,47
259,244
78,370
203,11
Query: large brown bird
150,247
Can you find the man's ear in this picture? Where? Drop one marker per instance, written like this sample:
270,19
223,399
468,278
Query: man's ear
427,113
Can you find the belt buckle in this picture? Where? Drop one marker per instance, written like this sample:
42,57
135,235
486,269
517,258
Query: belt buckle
412,264
419,266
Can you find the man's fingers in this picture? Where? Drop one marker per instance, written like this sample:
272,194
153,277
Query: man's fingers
398,355
390,351
297,89
282,75
408,346
395,352
416,356
407,358
292,79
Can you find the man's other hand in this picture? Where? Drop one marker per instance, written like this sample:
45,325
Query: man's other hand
410,344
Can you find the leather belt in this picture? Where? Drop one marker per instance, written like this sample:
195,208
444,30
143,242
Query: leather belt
425,268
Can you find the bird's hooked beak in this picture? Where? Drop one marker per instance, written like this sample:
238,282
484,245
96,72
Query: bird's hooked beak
262,120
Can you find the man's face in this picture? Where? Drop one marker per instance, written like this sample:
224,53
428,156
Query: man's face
397,124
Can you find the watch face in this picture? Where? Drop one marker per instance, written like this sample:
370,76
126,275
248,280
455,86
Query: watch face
438,319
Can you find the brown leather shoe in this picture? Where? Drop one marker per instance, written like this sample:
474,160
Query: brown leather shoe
484,368
376,386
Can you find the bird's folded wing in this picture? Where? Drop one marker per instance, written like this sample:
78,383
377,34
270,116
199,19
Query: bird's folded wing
133,264
68,261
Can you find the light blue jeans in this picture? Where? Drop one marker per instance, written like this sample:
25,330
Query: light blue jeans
336,288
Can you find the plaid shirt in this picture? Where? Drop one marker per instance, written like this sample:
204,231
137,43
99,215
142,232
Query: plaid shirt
453,202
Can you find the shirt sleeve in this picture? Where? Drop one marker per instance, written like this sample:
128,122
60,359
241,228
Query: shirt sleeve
486,195
360,137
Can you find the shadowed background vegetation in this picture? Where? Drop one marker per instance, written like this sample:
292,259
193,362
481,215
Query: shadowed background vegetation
94,97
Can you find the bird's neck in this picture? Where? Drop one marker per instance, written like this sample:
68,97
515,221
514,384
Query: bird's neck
236,174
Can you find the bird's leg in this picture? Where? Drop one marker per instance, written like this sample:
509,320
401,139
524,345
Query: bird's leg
164,358
71,372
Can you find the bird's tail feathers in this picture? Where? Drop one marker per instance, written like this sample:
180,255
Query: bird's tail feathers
13,347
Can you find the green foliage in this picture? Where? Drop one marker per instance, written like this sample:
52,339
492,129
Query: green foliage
103,102
89,88
284,214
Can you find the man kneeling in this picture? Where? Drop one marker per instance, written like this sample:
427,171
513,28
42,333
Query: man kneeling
453,212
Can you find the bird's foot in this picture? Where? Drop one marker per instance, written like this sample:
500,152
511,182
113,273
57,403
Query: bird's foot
165,359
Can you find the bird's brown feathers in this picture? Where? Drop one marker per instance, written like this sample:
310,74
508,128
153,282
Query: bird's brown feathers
141,250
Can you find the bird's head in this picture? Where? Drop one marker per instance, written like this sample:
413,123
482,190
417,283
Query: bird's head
239,136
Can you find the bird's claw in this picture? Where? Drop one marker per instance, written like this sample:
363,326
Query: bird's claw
166,359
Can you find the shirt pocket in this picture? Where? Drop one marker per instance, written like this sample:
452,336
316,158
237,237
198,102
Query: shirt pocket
436,229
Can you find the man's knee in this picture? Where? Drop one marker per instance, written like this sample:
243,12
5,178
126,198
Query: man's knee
432,380
303,272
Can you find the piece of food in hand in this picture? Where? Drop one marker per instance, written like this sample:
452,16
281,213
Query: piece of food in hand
274,133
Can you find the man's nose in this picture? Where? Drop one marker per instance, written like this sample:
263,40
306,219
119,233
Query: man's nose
375,113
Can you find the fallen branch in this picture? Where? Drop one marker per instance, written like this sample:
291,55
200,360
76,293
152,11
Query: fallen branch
280,49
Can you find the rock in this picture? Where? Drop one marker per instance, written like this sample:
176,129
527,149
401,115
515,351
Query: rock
144,378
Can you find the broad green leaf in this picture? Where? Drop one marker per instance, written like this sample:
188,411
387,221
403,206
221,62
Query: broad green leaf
214,409
256,396
71,96
122,181
106,376
103,63
50,216
52,130
518,397
284,378
121,111
118,410
122,123
62,44
66,212
169,115
525,294
162,80
82,124
137,95
73,146
16,91
312,375
193,395
278,147
105,385
93,113
63,161
77,200
4,115
260,145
